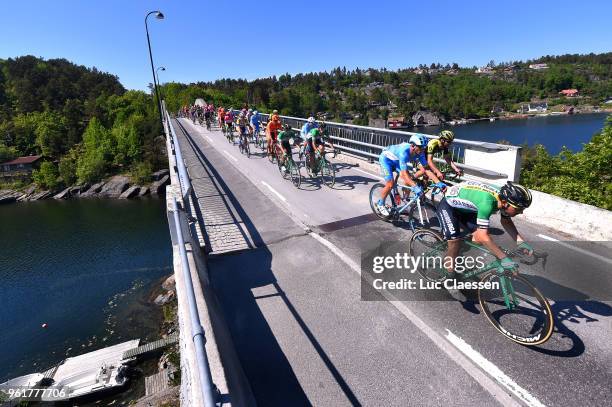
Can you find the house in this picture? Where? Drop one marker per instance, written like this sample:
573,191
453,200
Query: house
397,122
486,70
534,107
538,67
20,167
570,93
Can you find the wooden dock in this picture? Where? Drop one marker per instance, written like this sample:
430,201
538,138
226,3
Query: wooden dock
150,347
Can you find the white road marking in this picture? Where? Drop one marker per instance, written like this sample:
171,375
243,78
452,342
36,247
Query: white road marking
366,173
578,249
230,156
209,139
493,387
274,191
493,370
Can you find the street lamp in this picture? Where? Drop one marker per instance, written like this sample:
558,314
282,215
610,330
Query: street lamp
160,16
158,82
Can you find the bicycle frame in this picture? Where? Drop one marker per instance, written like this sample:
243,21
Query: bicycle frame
510,299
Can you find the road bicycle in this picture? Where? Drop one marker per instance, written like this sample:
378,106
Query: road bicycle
244,144
287,166
421,210
229,132
513,305
320,166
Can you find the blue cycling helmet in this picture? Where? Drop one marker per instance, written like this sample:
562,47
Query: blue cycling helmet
418,140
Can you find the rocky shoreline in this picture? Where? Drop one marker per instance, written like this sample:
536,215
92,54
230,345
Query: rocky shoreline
116,187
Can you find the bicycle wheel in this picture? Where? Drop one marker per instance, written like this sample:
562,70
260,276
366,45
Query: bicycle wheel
431,247
241,145
522,314
296,177
423,216
375,193
328,173
247,147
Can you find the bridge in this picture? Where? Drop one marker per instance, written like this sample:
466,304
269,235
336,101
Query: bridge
277,296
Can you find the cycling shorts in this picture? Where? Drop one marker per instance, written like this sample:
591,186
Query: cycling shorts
454,223
387,166
286,146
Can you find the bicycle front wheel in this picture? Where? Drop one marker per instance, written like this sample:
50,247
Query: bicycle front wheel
516,308
423,216
375,193
328,173
431,247
296,177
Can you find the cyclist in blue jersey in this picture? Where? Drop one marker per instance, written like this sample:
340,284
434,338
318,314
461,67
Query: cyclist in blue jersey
254,121
309,125
396,158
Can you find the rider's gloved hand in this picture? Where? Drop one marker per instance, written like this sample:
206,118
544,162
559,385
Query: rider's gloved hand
526,248
418,191
440,185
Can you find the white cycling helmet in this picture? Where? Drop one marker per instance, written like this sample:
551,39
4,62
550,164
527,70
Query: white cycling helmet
418,140
311,119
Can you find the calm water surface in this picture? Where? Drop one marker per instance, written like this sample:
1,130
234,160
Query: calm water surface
83,267
553,132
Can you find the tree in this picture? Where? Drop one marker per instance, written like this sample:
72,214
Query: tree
46,176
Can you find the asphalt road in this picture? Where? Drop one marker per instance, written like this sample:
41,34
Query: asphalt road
305,336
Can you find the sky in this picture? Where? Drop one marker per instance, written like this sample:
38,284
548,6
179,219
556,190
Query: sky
207,40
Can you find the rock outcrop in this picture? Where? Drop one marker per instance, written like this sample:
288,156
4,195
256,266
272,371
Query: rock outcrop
114,187
158,187
130,192
95,188
425,118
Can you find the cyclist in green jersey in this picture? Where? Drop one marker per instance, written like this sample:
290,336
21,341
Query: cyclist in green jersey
470,204
283,139
441,145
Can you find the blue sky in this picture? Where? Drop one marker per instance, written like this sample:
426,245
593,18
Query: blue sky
207,40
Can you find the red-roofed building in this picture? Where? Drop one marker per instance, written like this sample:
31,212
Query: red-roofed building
569,92
20,167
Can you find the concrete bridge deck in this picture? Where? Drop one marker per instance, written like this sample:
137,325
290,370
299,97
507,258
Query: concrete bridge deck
288,280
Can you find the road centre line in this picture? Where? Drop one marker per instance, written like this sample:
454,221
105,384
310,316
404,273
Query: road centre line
493,387
578,249
492,370
230,156
367,173
274,191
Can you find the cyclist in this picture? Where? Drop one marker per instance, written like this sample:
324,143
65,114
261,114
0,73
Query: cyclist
241,123
272,128
283,139
441,145
254,122
228,119
469,205
314,143
309,125
221,116
396,158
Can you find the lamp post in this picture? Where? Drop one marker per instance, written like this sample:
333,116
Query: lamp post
158,82
159,15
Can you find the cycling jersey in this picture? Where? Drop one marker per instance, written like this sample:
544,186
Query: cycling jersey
435,146
228,117
255,120
285,135
305,132
474,197
241,121
400,154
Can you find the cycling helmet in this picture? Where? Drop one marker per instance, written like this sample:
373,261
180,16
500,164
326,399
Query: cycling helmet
418,140
311,119
447,135
287,127
255,112
515,194
274,111
250,110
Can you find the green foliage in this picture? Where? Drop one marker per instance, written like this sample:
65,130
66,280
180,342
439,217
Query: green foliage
46,176
68,167
141,173
50,134
7,153
585,176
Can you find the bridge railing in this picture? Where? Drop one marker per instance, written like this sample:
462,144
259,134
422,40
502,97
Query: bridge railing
479,160
197,387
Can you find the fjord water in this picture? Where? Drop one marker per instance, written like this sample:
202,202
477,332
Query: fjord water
553,132
83,267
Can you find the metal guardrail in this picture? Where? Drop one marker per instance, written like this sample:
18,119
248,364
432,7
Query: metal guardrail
368,142
207,386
